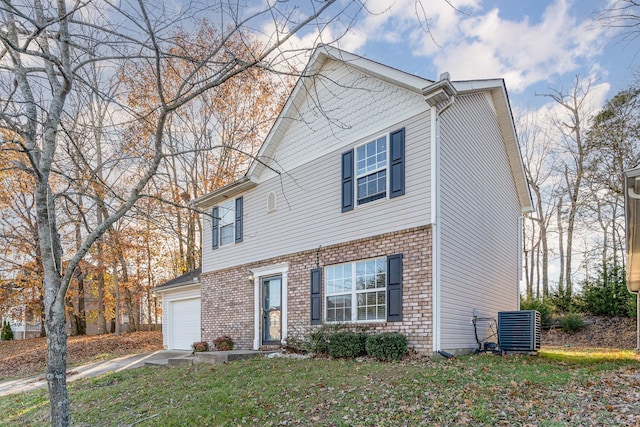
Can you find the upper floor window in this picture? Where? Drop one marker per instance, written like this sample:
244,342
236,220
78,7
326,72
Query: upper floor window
226,224
373,171
227,214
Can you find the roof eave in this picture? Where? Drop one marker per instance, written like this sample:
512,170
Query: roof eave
237,187
183,286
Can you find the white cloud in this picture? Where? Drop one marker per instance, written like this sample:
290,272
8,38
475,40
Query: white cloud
522,51
483,43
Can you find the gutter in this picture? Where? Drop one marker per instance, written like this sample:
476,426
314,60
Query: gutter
223,193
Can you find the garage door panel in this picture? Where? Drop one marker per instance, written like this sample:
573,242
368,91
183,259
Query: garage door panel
185,323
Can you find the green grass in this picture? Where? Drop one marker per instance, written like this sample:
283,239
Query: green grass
552,389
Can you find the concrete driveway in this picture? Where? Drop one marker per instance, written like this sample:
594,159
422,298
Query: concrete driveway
91,370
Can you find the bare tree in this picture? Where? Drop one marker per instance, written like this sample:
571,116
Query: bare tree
45,47
623,15
571,124
613,146
539,163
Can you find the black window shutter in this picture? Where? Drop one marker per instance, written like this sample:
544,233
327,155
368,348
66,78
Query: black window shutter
347,181
239,219
316,296
397,163
394,288
215,228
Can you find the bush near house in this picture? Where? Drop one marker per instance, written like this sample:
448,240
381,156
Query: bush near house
347,344
200,346
330,340
387,347
223,343
7,332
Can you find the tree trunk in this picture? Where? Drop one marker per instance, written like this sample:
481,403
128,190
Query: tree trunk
57,366
102,320
82,314
131,310
73,317
116,286
54,305
560,247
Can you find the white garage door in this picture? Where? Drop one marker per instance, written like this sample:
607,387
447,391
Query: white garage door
184,323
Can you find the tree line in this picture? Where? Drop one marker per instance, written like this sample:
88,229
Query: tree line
575,165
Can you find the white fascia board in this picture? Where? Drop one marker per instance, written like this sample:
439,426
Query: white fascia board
500,98
632,173
223,193
178,288
375,69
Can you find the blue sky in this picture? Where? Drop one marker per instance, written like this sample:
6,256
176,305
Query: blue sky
534,44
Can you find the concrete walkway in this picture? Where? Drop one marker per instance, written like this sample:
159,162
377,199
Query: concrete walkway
92,370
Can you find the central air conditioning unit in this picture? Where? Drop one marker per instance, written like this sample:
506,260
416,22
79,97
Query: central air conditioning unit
519,330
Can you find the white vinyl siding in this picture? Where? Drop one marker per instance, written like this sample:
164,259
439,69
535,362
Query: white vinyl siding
479,221
309,211
345,105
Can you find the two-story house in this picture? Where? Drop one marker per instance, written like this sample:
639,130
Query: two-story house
378,199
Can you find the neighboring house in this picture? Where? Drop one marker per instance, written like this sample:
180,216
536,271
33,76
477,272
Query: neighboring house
379,199
23,324
181,311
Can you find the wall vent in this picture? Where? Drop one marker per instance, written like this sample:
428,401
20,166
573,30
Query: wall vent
519,330
272,203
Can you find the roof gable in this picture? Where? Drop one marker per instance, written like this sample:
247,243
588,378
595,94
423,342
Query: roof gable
337,101
315,121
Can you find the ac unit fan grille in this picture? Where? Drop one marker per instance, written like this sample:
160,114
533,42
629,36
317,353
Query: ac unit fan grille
519,330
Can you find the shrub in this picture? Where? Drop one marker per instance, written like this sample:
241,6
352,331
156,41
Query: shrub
387,347
200,346
318,341
607,295
297,345
542,306
7,332
571,323
563,302
347,344
223,343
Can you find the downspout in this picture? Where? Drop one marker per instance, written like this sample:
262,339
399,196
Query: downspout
440,96
435,227
519,263
632,225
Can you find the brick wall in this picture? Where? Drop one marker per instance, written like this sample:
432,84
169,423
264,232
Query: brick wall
228,295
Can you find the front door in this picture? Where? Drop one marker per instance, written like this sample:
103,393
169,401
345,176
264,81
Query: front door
271,310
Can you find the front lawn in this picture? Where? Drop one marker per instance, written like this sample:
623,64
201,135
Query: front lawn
557,388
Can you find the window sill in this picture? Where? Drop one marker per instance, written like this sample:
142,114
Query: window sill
357,322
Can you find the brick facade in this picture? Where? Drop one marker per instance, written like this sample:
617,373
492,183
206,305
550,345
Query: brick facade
228,295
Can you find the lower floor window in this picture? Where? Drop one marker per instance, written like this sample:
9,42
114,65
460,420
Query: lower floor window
356,291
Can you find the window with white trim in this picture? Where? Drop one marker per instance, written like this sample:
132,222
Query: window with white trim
357,291
371,170
227,222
